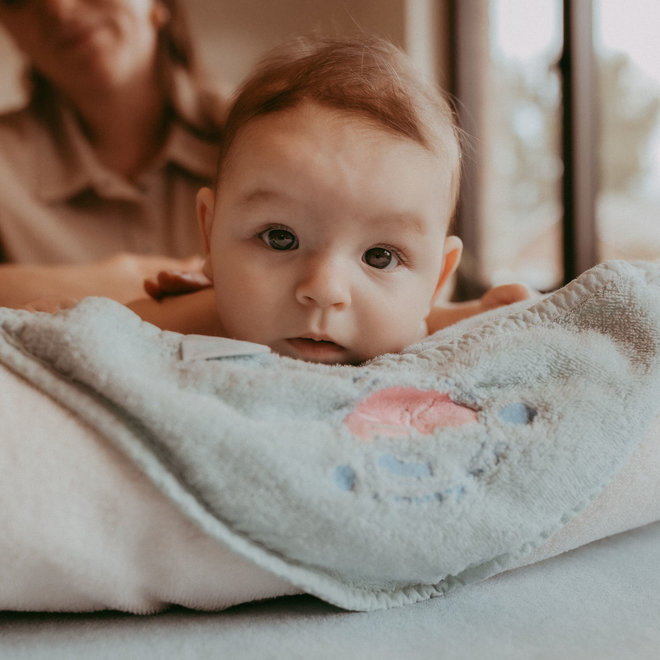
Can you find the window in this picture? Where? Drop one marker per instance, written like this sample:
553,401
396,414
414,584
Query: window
563,101
628,203
522,237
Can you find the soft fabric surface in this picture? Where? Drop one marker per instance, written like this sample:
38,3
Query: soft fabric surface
375,485
84,529
600,602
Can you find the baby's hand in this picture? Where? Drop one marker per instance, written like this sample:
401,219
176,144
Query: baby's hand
175,282
443,315
505,294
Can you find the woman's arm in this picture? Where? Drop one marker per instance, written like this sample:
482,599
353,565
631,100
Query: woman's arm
119,277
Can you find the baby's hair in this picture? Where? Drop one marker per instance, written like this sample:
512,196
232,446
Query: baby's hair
364,75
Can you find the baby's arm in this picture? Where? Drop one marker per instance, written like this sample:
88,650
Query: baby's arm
450,313
192,313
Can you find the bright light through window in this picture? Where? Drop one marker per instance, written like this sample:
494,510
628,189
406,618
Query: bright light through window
628,49
521,232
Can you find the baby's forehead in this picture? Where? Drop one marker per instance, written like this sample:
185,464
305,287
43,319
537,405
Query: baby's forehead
309,129
303,125
328,160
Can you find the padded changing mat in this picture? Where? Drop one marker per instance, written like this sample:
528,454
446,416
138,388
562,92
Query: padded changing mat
380,484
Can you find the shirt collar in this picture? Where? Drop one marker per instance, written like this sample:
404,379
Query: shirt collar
66,163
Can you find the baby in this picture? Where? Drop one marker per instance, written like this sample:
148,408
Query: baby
326,232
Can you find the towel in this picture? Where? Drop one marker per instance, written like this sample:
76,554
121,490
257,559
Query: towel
381,484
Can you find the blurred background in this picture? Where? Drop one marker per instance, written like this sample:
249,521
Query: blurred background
561,98
523,192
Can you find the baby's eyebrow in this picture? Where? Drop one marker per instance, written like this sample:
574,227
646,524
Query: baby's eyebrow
409,221
265,195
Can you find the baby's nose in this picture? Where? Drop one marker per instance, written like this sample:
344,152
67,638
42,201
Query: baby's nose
325,283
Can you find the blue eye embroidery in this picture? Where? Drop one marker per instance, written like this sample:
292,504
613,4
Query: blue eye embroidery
381,258
279,239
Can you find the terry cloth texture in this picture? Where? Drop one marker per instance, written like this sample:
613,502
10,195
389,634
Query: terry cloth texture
381,484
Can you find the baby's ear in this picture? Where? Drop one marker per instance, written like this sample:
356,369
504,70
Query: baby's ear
453,249
205,209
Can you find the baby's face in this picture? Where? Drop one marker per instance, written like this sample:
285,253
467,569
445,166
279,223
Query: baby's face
326,236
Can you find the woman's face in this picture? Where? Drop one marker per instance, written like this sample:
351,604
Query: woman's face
85,42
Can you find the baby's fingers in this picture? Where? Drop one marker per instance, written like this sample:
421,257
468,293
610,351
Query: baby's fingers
506,294
174,283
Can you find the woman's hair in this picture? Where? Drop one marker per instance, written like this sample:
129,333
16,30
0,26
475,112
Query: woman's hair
364,75
177,49
175,38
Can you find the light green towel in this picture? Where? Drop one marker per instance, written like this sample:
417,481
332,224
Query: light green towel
381,484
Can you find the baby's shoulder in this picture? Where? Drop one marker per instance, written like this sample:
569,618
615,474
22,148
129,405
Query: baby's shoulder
190,313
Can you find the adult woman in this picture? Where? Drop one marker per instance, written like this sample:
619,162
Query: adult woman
104,162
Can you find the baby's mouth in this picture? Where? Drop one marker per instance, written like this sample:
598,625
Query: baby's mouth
316,348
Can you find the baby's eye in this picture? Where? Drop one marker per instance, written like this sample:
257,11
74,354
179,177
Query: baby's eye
381,258
279,239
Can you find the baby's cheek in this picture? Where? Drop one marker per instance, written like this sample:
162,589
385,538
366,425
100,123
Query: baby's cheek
398,335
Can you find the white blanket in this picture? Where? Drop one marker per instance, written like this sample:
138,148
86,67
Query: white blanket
86,529
108,539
